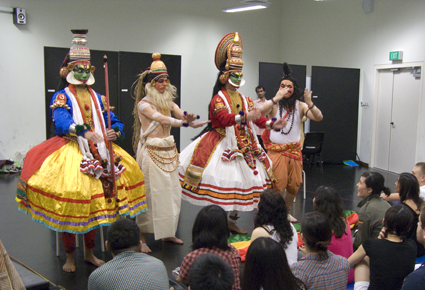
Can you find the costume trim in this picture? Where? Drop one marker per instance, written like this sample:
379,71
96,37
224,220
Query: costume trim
291,150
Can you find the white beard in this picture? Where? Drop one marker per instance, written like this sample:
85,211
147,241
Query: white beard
72,80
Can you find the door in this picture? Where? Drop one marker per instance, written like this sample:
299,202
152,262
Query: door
398,109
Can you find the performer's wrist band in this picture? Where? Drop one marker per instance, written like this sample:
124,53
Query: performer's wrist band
311,108
72,129
238,119
272,99
269,125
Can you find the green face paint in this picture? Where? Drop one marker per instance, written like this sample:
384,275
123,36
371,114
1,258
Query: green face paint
82,72
236,78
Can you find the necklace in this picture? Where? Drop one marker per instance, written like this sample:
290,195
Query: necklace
289,113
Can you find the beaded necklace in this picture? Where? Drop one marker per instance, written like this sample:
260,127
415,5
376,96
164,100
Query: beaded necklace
290,112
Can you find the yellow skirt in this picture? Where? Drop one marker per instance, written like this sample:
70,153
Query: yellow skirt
64,199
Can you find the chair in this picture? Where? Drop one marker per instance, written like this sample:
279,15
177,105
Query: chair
312,148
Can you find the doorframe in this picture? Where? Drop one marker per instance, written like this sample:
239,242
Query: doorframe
375,102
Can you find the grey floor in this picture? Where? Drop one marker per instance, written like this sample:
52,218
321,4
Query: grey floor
34,245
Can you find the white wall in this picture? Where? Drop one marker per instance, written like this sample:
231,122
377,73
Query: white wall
330,33
338,33
190,28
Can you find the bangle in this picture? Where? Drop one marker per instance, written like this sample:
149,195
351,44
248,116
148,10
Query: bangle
311,107
273,101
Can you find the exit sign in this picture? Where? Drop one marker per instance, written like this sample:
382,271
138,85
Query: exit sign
396,55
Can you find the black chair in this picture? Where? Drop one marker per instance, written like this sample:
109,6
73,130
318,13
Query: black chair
312,148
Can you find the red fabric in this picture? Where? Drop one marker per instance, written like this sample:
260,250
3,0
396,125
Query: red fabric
205,149
242,253
68,240
39,153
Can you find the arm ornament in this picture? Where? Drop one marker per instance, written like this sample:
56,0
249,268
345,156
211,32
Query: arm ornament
111,108
80,128
142,106
60,102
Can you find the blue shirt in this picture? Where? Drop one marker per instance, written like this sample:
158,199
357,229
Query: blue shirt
130,270
415,280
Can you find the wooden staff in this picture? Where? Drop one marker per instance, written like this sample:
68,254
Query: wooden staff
111,152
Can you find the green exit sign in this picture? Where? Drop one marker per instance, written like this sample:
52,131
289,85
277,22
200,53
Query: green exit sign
396,55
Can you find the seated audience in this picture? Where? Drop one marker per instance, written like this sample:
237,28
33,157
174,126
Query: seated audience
419,172
320,268
209,235
272,221
210,271
384,263
416,279
129,268
372,207
264,268
327,201
408,187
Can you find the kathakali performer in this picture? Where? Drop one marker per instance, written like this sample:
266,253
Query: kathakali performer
66,182
226,165
283,146
156,151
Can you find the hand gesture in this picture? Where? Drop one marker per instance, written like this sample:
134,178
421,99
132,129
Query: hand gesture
198,124
94,137
111,135
307,97
189,117
253,115
280,123
280,93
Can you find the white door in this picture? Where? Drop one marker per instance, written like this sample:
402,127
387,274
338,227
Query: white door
398,109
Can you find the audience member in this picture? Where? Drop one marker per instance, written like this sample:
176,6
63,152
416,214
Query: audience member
264,268
209,235
372,207
327,201
384,263
320,268
259,103
129,268
272,221
408,187
416,279
419,172
210,272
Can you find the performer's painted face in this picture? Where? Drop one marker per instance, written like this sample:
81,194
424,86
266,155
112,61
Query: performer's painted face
236,79
287,84
161,84
82,72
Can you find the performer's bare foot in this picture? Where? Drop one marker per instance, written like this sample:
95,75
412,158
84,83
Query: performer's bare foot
173,240
89,257
69,265
234,228
145,248
291,218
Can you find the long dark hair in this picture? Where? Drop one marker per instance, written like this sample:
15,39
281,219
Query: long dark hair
210,228
328,202
272,211
376,181
317,233
409,188
265,268
398,221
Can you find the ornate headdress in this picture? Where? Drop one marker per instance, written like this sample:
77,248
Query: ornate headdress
79,54
229,50
156,70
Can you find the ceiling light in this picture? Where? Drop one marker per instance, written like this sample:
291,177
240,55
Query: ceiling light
248,5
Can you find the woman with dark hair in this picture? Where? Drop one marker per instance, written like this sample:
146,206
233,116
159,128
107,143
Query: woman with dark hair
384,263
372,207
264,268
272,221
407,186
320,268
327,201
209,235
